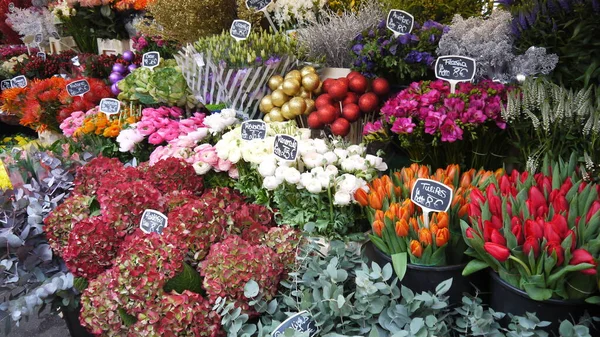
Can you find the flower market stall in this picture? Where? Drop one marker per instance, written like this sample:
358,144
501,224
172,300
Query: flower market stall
269,168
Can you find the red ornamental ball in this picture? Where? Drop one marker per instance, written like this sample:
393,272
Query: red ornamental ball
351,112
351,98
368,102
314,122
338,90
352,74
327,84
327,114
380,86
341,127
359,84
323,100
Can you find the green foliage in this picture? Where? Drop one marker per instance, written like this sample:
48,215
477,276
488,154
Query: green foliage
545,119
569,30
128,320
188,279
441,11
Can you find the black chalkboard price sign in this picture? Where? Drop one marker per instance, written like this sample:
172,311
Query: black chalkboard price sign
454,69
19,82
431,195
6,84
110,106
258,5
151,59
78,88
153,222
38,38
254,130
301,322
240,29
285,147
400,22
42,55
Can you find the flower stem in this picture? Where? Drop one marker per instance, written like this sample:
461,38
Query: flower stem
521,263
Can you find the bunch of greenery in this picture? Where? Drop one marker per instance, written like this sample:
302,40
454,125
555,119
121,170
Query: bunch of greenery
440,11
545,119
568,28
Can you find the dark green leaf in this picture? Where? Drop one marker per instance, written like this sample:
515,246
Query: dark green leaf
188,279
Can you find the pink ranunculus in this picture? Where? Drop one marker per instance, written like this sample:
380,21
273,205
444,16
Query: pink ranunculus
233,173
155,139
224,165
145,128
450,131
403,125
209,155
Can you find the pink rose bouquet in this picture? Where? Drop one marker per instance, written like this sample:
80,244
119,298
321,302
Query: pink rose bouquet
439,128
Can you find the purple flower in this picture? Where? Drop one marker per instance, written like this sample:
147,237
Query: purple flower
403,125
357,49
450,131
272,60
381,24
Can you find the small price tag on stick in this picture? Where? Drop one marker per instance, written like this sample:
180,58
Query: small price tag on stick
153,221
6,84
455,69
261,6
240,30
301,322
400,22
431,196
78,88
151,59
285,147
254,130
19,82
42,55
110,106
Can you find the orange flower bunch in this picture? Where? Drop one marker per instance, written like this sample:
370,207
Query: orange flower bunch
398,224
138,5
99,124
14,100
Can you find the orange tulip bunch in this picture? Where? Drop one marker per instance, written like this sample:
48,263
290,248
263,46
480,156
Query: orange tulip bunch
398,224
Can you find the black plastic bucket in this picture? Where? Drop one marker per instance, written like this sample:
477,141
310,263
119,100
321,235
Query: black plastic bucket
508,299
71,317
420,278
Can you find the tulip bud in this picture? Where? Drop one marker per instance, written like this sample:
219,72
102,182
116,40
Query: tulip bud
470,233
402,228
517,231
555,247
496,237
593,210
533,229
530,244
425,236
583,256
442,236
416,249
550,233
361,197
378,227
499,252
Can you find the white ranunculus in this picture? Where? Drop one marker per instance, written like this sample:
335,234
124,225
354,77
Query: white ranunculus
341,153
313,186
220,121
235,155
305,178
342,198
320,146
313,159
330,157
271,183
325,179
267,167
347,183
356,149
201,168
292,175
376,162
305,147
332,170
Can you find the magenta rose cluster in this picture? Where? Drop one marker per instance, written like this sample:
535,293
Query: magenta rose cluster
429,107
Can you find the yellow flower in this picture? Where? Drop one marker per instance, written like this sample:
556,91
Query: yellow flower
88,127
112,131
5,183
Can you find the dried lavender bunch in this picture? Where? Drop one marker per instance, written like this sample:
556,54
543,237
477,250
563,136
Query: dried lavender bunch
491,43
332,35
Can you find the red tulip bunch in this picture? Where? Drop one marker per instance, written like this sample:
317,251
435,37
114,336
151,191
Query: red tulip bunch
540,232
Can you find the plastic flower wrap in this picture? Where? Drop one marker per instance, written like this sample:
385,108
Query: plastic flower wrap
232,263
441,128
398,224
539,232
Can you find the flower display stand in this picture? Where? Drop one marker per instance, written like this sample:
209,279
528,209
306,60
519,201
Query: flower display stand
113,47
57,46
333,73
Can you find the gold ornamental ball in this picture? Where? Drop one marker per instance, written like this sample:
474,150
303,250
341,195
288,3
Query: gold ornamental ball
311,82
286,112
307,70
319,90
266,104
275,81
291,87
304,93
267,118
278,97
280,87
295,74
310,106
275,115
297,105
